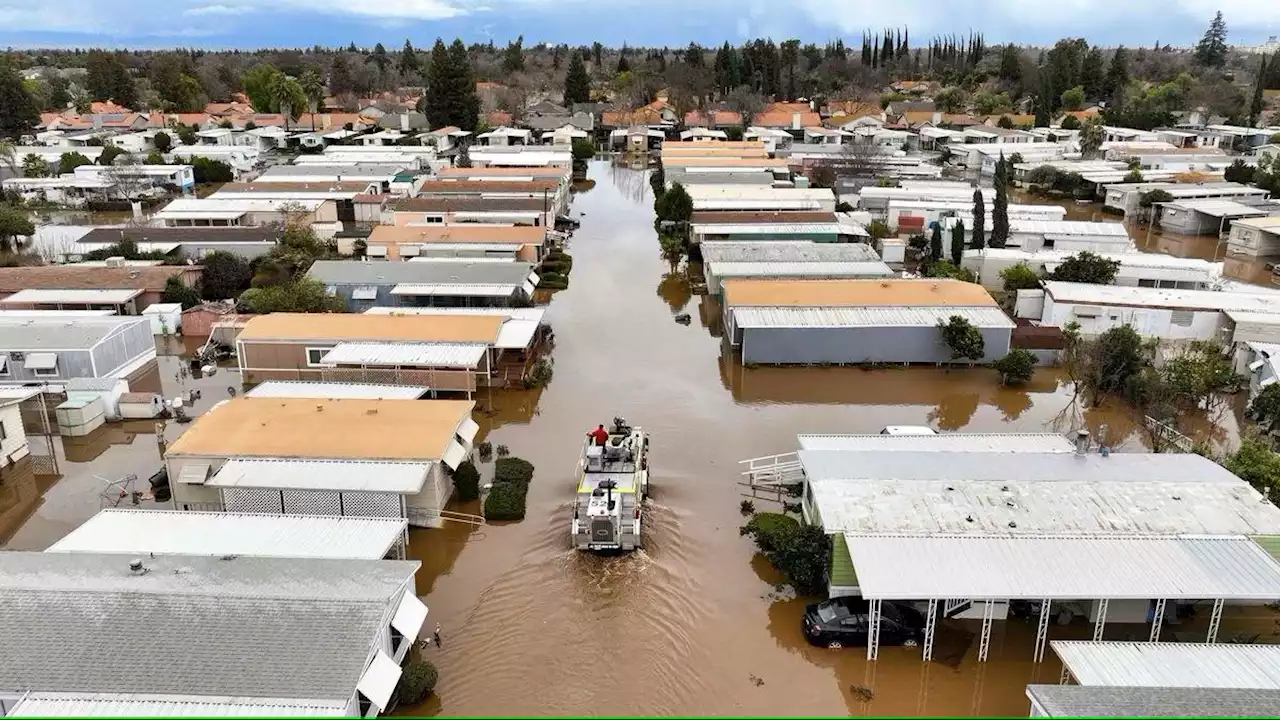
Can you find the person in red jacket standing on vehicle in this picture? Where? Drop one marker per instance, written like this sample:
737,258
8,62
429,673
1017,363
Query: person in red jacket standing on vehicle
600,435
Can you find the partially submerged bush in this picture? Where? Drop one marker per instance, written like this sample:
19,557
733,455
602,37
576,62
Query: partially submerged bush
417,682
512,469
765,527
801,552
466,481
506,501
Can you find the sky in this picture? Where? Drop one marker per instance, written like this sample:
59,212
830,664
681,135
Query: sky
304,23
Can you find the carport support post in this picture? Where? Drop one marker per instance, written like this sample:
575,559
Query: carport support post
984,644
873,630
1157,621
1214,621
1101,621
1042,629
930,628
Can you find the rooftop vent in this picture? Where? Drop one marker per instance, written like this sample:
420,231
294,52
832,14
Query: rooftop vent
136,567
1082,442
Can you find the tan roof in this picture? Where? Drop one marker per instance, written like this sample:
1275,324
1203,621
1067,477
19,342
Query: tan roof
464,203
823,293
71,277
476,186
688,161
354,186
453,327
496,171
396,234
786,119
732,217
324,429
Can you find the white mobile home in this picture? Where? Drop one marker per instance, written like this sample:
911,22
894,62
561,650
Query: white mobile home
1068,235
1137,269
1125,197
1164,314
54,350
1208,216
1255,237
759,198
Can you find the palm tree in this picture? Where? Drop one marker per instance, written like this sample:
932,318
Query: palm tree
287,95
7,157
313,88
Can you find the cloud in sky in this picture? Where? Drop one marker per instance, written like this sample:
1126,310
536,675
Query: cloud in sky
257,23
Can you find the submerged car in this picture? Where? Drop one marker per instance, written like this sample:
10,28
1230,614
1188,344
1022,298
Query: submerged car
845,621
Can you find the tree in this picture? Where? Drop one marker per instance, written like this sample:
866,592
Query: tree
1256,464
1197,374
257,82
108,79
1020,276
34,166
154,158
1211,52
287,96
175,291
1255,104
163,142
206,170
1071,122
14,224
577,84
70,161
451,97
1115,359
513,56
1091,136
957,243
186,134
408,62
1086,267
224,276
979,220
109,154
379,59
417,682
18,111
950,100
466,480
935,243
301,295
583,149
340,80
674,205
1000,207
800,552
1005,122
312,86
1117,78
1092,76
673,249
1015,368
1073,98
1264,409
1238,172
962,338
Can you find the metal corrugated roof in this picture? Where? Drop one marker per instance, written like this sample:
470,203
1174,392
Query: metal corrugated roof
1066,568
1068,228
355,272
785,317
942,442
171,532
1090,294
335,390
966,492
437,355
786,251
1130,702
829,269
405,478
514,313
1182,665
1216,207
74,297
422,290
135,705
765,228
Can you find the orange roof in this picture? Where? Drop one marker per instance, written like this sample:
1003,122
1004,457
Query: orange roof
190,118
498,118
48,117
1082,114
486,85
786,119
641,116
822,293
400,234
788,107
719,117
450,327
228,108
959,119
108,107
915,117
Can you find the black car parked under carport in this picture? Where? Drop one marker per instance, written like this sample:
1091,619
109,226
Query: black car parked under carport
845,621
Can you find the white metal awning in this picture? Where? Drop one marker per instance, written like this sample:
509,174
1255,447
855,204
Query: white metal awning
379,680
410,615
454,454
194,473
900,567
340,475
467,430
41,361
435,355
459,290
1147,664
43,296
365,293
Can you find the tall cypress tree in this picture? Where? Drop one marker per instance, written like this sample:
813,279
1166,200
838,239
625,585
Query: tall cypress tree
957,243
1000,210
436,103
465,107
577,85
979,220
1255,105
935,243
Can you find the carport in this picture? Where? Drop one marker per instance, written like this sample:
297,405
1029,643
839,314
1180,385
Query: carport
989,567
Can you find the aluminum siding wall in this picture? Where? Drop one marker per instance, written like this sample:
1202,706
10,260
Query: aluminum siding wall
123,347
71,364
783,346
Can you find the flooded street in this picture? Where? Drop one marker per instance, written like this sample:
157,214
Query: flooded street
696,623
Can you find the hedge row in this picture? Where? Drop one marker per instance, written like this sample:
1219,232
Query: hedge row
506,500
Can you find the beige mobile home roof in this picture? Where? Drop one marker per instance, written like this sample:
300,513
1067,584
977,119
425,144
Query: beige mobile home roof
723,161
388,328
331,429
522,234
905,293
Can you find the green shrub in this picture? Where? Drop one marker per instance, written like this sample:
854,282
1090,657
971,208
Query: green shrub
1017,367
765,528
512,469
801,552
466,481
417,682
553,266
506,501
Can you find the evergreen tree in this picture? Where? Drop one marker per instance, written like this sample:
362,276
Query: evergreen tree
1255,105
623,65
513,56
979,220
408,64
904,49
1010,65
1091,74
1212,49
1117,76
379,59
466,102
1000,209
875,55
597,53
1272,73
437,101
108,79
957,243
577,85
18,111
935,243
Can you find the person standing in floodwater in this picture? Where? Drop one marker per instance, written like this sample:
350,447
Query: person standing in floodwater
436,635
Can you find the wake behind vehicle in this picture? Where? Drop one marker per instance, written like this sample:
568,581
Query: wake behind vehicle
613,479
845,622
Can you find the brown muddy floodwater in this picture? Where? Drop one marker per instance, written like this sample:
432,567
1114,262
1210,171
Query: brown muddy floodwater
696,623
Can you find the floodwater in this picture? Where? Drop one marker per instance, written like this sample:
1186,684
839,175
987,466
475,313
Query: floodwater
697,622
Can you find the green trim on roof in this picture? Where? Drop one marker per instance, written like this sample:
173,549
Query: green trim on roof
1270,543
842,573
